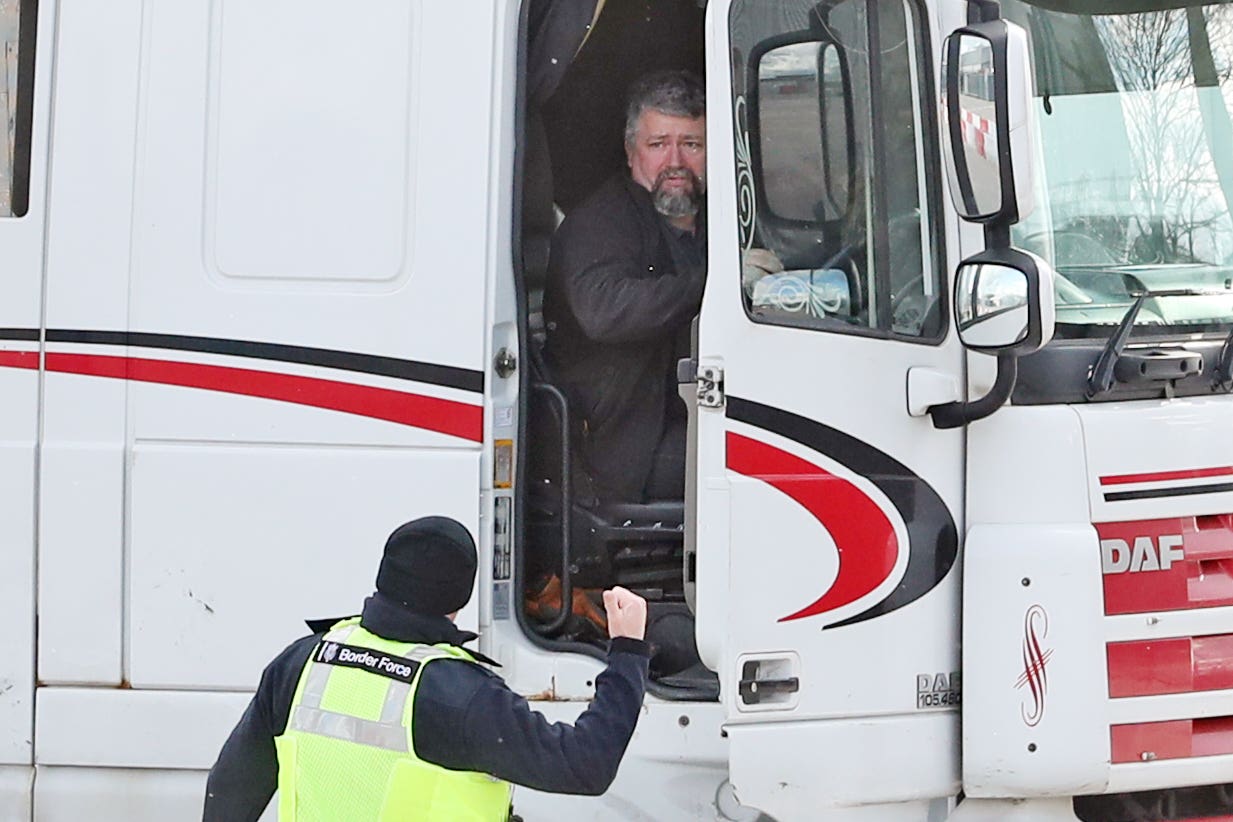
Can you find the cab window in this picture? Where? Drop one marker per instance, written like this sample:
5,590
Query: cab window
17,19
835,171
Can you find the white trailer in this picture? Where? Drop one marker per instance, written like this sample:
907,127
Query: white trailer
269,283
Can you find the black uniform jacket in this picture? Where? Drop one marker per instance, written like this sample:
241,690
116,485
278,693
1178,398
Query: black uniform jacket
616,304
465,718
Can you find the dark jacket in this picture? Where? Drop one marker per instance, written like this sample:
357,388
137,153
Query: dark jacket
464,718
617,304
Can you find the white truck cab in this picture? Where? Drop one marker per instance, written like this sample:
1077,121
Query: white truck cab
957,535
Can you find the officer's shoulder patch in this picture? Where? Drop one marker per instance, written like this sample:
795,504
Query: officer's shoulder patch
392,666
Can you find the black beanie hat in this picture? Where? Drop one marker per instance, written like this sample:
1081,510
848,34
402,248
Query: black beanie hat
429,566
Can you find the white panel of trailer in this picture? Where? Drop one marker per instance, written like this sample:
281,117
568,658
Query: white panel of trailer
81,540
232,547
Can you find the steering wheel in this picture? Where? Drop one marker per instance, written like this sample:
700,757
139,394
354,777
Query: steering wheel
910,305
846,256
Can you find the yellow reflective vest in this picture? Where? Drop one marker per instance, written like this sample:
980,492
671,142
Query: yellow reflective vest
348,753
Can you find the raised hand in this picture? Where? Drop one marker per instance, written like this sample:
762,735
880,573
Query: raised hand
626,613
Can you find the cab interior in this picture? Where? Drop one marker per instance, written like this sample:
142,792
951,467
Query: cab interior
579,58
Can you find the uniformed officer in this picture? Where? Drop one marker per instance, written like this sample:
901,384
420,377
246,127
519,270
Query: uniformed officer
386,716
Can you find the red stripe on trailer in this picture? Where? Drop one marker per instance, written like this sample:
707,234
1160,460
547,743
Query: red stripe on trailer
19,359
1176,739
1170,666
1165,476
443,416
864,537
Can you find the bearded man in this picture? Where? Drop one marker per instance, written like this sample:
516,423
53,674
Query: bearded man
625,278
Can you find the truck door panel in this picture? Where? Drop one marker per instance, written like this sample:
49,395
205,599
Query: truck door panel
835,592
24,97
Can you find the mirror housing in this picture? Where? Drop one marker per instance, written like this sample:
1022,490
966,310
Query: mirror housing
1004,302
987,102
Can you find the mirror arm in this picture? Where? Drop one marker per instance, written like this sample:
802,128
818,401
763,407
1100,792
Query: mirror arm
984,11
997,235
956,414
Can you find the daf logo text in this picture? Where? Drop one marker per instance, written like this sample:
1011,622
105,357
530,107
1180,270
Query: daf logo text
1146,554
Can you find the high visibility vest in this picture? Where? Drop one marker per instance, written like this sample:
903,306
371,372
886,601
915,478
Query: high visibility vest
348,753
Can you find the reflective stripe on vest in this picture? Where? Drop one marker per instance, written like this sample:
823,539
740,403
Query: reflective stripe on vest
388,732
336,761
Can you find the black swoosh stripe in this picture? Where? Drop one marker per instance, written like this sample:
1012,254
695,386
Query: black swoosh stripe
24,334
1155,493
463,379
932,536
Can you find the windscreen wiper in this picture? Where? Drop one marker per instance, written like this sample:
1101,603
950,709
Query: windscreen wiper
1104,372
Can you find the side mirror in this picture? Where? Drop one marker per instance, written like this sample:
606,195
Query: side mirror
987,104
1004,302
1003,306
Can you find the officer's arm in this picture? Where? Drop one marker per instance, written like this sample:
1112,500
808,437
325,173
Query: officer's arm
246,774
501,734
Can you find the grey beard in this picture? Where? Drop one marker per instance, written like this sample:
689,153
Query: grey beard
681,204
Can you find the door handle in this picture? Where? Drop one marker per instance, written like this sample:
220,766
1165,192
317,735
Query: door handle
769,680
928,387
753,691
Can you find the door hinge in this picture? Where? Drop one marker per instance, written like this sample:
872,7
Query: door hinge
710,386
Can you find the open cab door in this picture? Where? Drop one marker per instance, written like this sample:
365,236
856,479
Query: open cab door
827,502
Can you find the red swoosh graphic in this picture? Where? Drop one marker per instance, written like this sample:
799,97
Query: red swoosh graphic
864,536
443,416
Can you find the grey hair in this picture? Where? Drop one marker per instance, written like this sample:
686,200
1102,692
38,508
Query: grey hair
675,93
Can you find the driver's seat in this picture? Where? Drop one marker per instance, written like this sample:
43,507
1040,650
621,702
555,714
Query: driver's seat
638,545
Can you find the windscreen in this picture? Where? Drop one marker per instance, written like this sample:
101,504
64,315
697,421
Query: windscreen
1136,165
